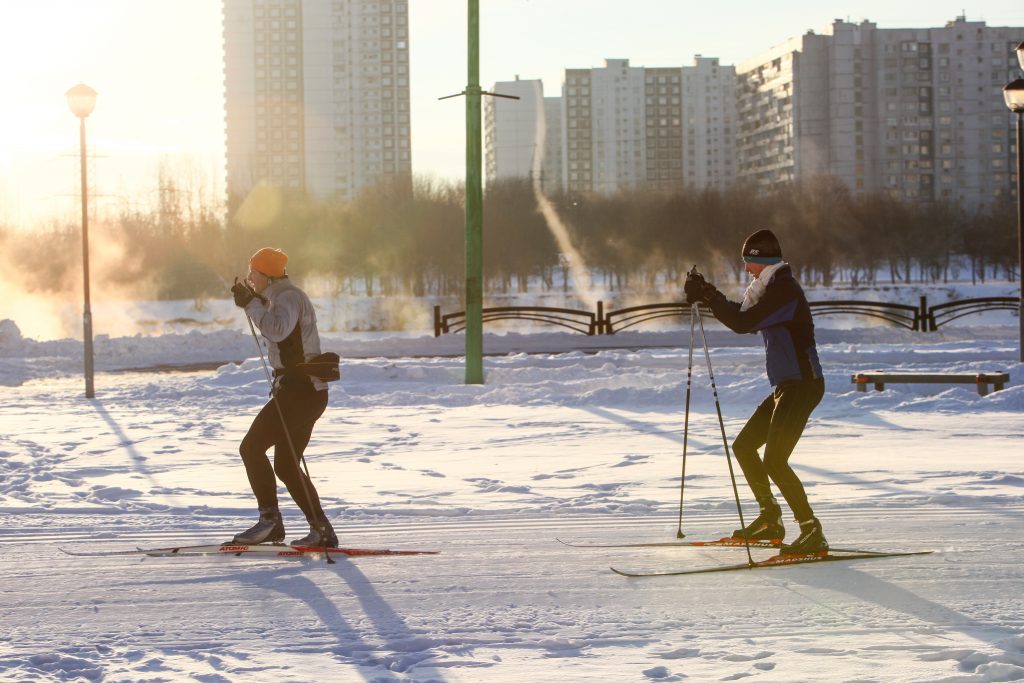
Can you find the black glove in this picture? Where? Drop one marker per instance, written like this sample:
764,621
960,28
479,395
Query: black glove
243,295
696,288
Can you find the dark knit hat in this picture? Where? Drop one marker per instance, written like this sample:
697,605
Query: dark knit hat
762,247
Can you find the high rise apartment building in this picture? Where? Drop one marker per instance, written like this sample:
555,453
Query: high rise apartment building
316,94
659,128
916,113
551,175
708,123
604,127
520,134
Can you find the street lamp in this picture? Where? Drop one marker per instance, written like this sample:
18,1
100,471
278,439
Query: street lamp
1014,94
81,101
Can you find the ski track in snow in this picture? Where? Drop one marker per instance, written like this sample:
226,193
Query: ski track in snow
581,445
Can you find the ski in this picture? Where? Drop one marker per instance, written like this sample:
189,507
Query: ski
726,542
775,561
720,542
262,550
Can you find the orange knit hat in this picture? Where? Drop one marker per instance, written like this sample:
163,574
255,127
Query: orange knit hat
270,262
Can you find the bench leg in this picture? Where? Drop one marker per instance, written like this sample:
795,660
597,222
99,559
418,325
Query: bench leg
879,386
982,388
862,386
998,387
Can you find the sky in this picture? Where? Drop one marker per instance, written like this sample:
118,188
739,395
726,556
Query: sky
157,68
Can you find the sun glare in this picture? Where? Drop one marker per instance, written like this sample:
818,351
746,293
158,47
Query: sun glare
157,101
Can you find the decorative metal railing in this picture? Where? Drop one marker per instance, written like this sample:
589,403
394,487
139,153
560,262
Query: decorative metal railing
940,314
578,321
920,318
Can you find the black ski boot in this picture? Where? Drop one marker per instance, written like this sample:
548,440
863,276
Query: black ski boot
810,542
270,529
767,526
321,535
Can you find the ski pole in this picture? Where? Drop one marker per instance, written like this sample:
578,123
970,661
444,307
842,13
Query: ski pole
725,440
686,419
296,458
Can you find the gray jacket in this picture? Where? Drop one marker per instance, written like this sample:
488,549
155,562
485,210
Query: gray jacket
288,322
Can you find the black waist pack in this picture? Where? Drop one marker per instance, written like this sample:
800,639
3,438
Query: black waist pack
323,367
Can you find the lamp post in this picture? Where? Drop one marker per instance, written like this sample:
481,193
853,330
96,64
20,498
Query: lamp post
81,101
1014,95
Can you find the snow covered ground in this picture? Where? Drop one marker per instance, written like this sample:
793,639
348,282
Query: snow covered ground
559,443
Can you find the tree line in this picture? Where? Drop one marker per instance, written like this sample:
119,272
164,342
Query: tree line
406,237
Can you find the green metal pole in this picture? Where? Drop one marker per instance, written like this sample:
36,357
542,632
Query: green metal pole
474,208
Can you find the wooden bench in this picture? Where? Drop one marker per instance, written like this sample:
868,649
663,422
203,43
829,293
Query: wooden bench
880,378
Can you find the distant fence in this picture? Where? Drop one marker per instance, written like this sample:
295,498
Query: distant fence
941,314
624,318
901,315
577,321
920,318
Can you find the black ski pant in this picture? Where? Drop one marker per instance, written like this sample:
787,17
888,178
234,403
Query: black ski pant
301,406
777,424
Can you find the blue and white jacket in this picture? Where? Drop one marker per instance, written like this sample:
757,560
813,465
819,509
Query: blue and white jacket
783,318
